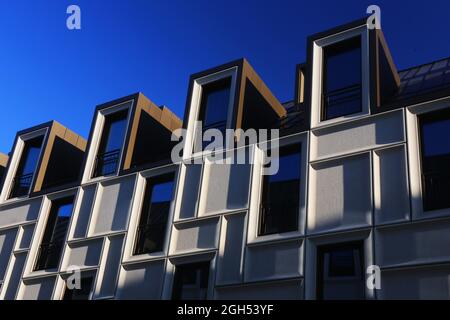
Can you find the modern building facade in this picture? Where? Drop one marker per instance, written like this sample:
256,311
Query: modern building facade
364,160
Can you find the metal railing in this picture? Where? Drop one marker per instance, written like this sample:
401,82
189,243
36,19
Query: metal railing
336,98
49,255
219,125
107,163
21,185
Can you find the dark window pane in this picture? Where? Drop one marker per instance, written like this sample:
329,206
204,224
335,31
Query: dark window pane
214,103
111,143
433,133
281,192
54,238
27,167
340,273
435,149
343,63
191,282
214,106
154,216
342,79
83,292
342,263
114,131
31,155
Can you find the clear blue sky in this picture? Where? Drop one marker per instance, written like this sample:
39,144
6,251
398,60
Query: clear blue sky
50,73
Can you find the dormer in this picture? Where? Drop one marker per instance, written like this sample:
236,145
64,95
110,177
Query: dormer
230,96
44,158
351,73
129,134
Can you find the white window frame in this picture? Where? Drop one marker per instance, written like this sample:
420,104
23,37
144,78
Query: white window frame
173,262
138,202
256,192
317,75
415,161
195,103
40,230
97,136
15,161
312,243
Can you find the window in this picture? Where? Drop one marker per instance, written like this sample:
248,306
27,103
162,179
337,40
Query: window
83,293
342,79
281,194
191,282
435,151
214,106
108,156
340,271
155,212
27,167
55,232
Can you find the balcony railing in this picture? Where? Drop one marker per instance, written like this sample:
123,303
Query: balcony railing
150,238
436,190
21,185
49,255
219,125
278,217
339,98
107,163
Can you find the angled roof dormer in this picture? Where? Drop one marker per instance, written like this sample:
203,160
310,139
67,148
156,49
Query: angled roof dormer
44,158
350,73
230,96
128,134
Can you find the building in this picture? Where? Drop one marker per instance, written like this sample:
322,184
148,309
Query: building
364,162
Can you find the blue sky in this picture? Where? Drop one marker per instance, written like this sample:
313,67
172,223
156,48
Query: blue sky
50,73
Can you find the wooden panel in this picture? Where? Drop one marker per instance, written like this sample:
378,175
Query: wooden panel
163,116
56,130
3,160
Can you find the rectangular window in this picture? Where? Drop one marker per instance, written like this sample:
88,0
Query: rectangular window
214,107
342,90
154,216
82,293
27,167
55,232
281,194
191,281
111,143
340,273
435,152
